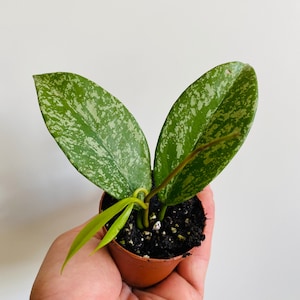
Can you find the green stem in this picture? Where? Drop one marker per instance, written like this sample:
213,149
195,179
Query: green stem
139,220
180,167
145,217
162,212
137,193
140,193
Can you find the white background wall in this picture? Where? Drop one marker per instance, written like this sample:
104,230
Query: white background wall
146,53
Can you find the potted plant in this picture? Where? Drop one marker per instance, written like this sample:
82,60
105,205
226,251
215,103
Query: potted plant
204,129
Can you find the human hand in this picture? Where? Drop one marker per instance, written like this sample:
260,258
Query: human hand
97,277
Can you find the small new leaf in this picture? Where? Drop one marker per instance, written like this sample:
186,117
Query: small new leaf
96,223
115,228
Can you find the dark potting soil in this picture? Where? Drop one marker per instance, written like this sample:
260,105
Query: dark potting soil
180,231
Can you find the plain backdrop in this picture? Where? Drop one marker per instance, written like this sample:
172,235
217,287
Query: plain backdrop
146,53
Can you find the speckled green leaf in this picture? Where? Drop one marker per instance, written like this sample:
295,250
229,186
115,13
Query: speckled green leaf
96,132
220,102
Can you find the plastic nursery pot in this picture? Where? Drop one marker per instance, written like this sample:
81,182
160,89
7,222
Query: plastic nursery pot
138,271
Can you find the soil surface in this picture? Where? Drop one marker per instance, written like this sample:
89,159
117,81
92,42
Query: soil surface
181,230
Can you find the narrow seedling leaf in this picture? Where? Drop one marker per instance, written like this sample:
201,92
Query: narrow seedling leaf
115,227
96,223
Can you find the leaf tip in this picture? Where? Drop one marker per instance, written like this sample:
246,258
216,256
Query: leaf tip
63,266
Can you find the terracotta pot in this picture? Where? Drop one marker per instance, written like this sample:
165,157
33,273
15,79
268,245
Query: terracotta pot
138,271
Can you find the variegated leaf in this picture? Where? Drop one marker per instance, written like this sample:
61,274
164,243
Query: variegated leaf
220,102
96,132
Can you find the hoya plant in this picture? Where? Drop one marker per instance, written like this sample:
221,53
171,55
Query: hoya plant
203,131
